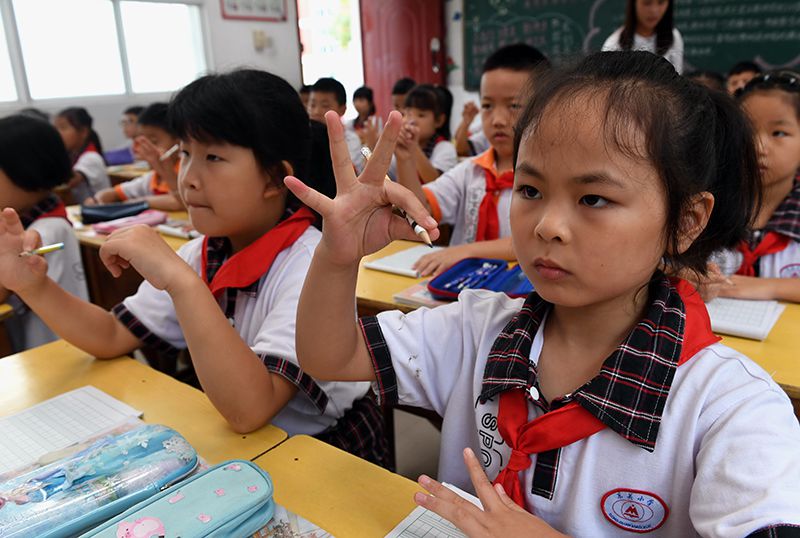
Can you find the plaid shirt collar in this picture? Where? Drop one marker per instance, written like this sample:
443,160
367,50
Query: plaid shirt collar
42,207
630,392
786,219
218,249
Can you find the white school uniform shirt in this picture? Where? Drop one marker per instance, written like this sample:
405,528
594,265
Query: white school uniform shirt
458,195
64,267
443,157
674,54
726,462
93,168
266,322
139,187
354,148
783,264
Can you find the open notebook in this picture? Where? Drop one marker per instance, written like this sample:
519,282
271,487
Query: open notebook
57,423
745,318
422,523
401,263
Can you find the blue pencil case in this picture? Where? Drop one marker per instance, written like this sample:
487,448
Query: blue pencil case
480,273
78,492
233,498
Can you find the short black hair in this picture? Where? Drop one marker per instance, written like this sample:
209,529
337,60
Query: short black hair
403,86
134,110
428,97
744,67
641,92
782,80
516,57
156,115
32,153
331,85
248,108
711,79
305,88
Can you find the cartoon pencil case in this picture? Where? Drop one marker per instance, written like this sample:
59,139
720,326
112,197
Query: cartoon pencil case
151,217
78,492
102,213
233,499
480,273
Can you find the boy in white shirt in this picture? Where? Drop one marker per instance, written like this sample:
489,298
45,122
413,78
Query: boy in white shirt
329,94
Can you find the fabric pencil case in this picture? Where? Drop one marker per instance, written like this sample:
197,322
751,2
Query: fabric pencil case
480,273
151,217
77,492
233,499
102,213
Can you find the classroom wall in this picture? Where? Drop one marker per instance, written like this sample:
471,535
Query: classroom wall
229,43
454,19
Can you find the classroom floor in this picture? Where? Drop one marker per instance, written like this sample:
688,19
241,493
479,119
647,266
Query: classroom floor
417,445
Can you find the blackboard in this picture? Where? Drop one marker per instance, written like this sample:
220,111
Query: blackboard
716,33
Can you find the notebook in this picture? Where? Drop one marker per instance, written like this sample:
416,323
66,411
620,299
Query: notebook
422,523
401,263
742,317
58,423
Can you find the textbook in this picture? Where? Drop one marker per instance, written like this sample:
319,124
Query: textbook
742,317
422,523
417,295
401,263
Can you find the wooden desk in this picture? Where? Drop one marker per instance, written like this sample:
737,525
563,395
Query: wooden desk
105,290
779,354
341,493
35,375
5,311
374,289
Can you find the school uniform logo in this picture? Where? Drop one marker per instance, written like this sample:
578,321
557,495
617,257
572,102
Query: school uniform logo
633,510
790,271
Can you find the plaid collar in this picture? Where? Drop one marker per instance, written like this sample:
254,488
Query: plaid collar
218,249
44,206
630,392
786,219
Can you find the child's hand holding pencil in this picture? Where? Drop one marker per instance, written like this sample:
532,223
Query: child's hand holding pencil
360,219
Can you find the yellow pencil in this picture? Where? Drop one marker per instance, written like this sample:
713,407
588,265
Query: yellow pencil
42,250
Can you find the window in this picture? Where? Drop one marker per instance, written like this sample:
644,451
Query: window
157,62
69,48
8,92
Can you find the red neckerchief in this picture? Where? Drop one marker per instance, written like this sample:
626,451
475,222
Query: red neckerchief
783,228
50,206
252,262
488,220
573,422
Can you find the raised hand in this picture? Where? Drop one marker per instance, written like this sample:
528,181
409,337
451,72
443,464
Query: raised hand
19,273
359,221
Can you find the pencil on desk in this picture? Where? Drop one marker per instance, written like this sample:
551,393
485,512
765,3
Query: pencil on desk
419,230
42,250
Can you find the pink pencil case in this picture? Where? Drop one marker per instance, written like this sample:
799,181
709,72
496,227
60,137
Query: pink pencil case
151,217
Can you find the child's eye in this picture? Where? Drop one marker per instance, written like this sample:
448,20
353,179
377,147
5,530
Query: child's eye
779,134
514,106
593,200
213,158
486,106
529,193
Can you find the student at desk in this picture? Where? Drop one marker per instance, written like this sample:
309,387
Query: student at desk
33,161
230,297
159,186
602,404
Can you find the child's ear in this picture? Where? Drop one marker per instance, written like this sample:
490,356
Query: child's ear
440,119
694,219
276,186
342,109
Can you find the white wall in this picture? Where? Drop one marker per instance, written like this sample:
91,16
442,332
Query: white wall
229,43
455,49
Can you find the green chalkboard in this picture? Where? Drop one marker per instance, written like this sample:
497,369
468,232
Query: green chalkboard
716,33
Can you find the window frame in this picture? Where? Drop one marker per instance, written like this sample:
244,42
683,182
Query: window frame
20,74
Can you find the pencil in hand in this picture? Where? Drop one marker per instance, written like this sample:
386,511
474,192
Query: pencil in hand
42,250
419,230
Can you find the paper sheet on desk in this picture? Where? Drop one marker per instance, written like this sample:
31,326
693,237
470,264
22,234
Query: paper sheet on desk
743,317
57,423
422,523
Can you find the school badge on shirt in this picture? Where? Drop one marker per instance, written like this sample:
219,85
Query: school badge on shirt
634,510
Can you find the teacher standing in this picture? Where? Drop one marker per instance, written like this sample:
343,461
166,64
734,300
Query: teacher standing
649,26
